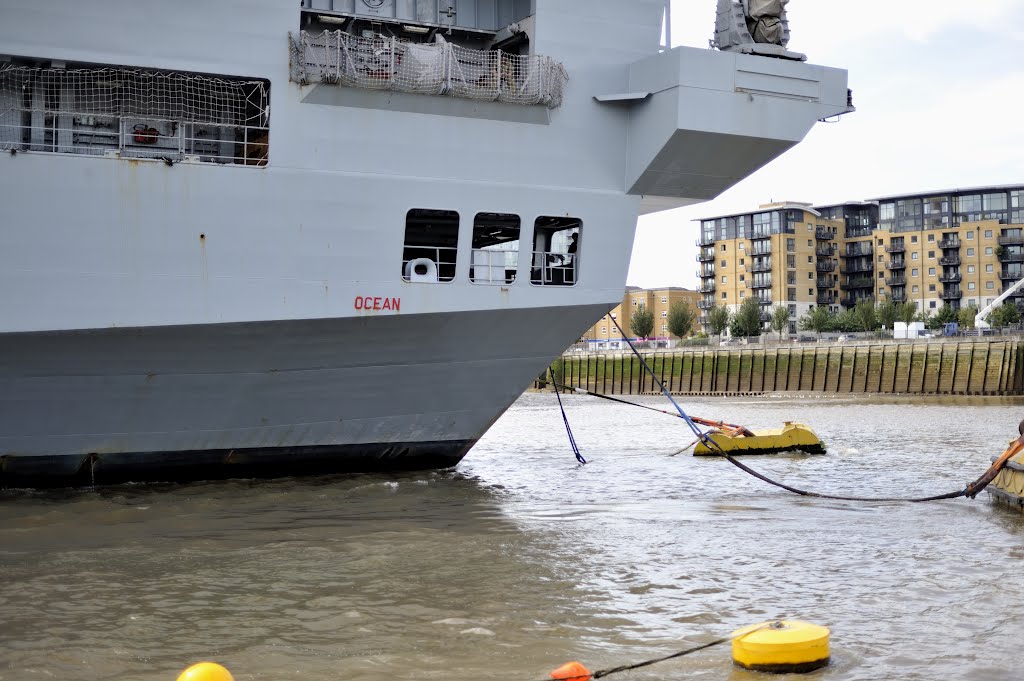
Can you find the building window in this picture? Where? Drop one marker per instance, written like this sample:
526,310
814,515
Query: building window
989,285
792,310
791,294
810,275
988,268
431,243
604,329
970,251
741,261
931,271
913,272
931,287
742,248
556,261
988,233
724,264
913,256
913,239
743,294
970,269
810,259
931,255
931,237
970,286
743,277
915,289
881,275
931,304
970,235
723,295
988,250
495,248
664,328
810,228
664,314
791,245
723,248
723,279
791,262
810,291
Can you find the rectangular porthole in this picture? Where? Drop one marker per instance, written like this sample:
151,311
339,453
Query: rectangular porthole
556,251
431,245
495,248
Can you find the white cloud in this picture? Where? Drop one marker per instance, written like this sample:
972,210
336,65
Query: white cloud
934,112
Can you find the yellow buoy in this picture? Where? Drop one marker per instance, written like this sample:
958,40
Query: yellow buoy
783,646
206,671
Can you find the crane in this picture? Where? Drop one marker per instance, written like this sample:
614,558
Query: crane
979,319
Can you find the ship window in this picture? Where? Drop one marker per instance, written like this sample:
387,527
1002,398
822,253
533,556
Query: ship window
495,248
556,254
135,113
431,244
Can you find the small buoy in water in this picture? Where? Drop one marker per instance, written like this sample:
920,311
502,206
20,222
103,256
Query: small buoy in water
783,647
572,670
206,671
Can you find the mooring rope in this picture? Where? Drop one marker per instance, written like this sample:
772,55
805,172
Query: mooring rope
971,490
565,419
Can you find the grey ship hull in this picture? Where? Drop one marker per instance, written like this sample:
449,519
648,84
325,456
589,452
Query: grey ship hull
266,398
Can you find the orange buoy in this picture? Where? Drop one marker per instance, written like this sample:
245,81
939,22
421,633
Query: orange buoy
571,670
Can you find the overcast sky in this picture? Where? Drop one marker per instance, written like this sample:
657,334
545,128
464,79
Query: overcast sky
939,91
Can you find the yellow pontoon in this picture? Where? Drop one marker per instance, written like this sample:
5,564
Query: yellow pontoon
791,437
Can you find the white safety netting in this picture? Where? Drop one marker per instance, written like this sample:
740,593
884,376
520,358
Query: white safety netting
89,110
441,68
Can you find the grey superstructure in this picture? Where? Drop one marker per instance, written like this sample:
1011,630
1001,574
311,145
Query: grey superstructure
248,238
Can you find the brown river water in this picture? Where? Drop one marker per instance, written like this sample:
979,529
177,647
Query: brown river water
519,559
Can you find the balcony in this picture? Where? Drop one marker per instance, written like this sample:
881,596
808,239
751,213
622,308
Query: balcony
854,232
1010,275
706,256
851,301
898,281
859,282
705,304
706,287
950,278
829,266
862,252
1011,240
949,243
761,248
895,248
760,283
823,234
760,234
952,294
826,300
898,297
826,251
950,261
1010,257
1015,294
761,267
825,282
896,265
857,268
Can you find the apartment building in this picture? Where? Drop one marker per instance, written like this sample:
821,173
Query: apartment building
782,254
659,301
959,247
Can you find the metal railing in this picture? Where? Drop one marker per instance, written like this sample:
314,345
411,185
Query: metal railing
829,266
949,243
553,268
950,261
1010,240
494,267
429,264
896,248
949,279
823,234
896,265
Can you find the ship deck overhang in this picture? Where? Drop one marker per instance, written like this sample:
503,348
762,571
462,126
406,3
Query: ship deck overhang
702,120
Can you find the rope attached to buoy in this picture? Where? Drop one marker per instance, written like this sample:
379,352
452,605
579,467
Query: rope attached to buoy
971,490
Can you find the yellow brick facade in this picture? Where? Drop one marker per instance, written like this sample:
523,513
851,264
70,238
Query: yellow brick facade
659,301
961,247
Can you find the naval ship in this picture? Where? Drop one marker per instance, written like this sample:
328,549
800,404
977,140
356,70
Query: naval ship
247,238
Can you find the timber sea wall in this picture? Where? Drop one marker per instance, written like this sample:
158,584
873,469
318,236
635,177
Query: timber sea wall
962,367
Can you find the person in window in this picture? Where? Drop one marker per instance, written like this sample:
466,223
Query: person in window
573,241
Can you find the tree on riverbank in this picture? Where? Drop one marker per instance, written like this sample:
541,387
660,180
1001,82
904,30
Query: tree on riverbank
747,321
718,319
780,320
642,322
819,319
680,319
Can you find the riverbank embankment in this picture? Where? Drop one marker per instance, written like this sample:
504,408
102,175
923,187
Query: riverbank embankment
969,367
